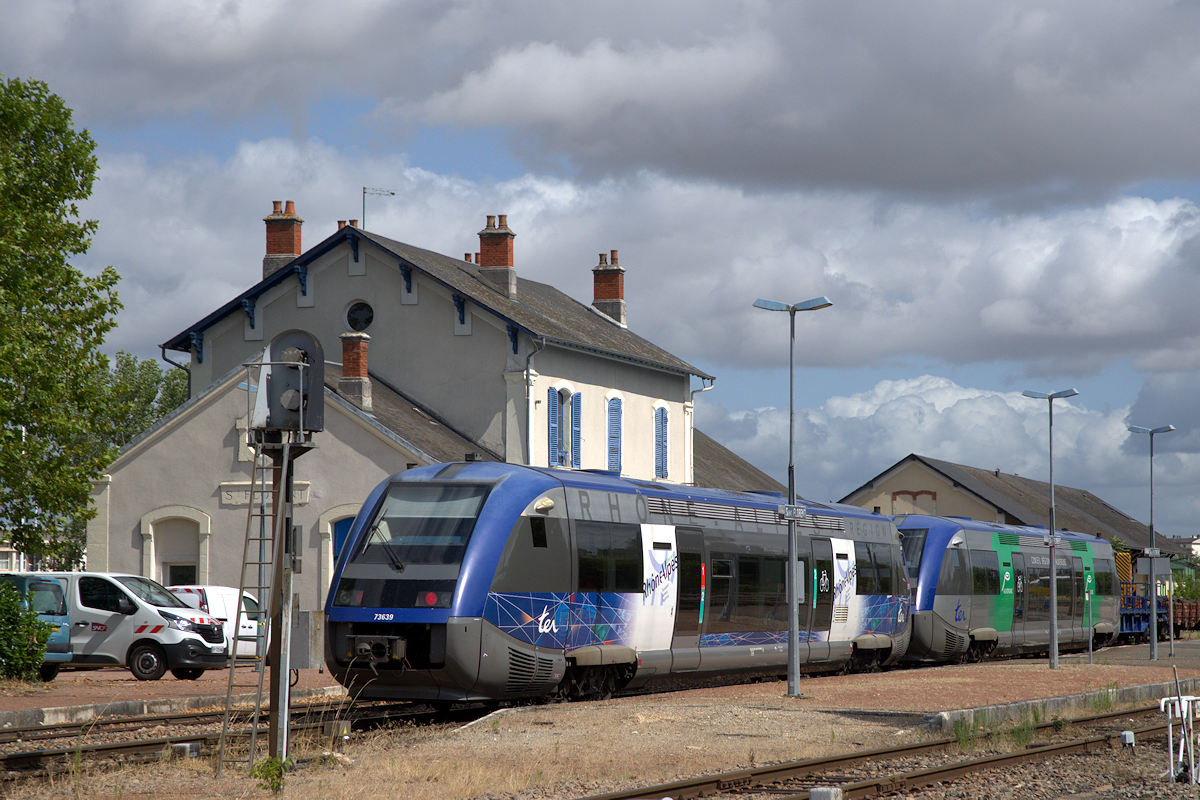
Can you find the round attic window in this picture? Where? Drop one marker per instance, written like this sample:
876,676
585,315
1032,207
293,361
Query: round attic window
359,316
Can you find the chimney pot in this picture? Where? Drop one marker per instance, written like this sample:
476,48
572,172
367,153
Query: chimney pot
608,288
603,260
467,257
353,223
341,224
503,221
613,260
478,257
289,207
491,221
276,206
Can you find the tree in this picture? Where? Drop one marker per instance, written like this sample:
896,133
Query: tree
53,319
140,394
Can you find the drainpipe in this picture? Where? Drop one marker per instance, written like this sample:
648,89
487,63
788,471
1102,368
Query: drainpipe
176,364
710,383
539,345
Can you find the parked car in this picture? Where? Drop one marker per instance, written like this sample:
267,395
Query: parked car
47,599
126,619
219,602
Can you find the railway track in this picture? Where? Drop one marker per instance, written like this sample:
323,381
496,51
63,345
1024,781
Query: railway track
867,774
306,719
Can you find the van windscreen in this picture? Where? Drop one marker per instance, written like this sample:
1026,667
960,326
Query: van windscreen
150,591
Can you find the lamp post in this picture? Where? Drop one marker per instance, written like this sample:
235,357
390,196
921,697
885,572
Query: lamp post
790,512
1052,539
1152,553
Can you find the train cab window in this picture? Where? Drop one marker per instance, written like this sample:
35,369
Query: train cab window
422,523
985,572
609,556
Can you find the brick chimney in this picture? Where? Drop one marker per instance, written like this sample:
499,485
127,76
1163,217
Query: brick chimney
354,384
283,237
608,288
495,257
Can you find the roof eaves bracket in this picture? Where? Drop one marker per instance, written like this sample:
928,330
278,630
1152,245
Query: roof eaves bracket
302,276
460,305
512,336
248,307
406,273
353,240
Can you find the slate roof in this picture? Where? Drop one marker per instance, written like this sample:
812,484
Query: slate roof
717,467
538,309
1025,501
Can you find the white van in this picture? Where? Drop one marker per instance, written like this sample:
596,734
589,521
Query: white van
134,621
219,602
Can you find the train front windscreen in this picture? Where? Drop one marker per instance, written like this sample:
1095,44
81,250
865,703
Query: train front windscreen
411,553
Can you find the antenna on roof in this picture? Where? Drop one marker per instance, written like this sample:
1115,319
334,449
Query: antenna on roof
372,190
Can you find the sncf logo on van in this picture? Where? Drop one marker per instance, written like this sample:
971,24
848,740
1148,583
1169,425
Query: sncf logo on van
149,629
99,626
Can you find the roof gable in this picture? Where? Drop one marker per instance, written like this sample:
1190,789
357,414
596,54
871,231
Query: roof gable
539,310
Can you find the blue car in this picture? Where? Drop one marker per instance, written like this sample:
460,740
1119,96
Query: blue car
45,596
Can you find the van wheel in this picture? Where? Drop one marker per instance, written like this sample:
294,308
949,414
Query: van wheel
187,673
48,671
147,662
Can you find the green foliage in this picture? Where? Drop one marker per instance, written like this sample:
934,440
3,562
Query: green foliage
270,773
1187,587
22,637
53,319
140,393
1118,545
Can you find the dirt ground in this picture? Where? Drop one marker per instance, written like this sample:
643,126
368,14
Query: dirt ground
576,749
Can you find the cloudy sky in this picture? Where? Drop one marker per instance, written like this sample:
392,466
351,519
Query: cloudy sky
996,196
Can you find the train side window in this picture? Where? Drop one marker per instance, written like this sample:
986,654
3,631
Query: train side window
887,567
985,572
913,543
954,577
609,557
1103,569
721,600
866,580
536,557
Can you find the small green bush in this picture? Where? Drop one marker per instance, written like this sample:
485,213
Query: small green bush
270,773
22,637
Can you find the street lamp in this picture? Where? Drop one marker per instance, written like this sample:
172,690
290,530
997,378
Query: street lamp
790,511
1152,553
1052,539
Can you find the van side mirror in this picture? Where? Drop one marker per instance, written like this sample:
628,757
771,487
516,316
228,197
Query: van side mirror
125,606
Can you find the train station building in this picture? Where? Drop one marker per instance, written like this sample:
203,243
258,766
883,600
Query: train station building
430,358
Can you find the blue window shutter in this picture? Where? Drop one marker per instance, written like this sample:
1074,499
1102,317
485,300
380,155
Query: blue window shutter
576,428
552,411
660,443
614,434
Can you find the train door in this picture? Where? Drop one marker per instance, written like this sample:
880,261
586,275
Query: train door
803,597
660,565
1018,587
821,608
689,613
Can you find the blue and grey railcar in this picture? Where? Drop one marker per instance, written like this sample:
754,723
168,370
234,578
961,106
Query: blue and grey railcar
982,588
486,581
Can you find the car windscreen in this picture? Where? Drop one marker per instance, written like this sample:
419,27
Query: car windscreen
150,591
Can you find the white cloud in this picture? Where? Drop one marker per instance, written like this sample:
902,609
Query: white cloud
847,440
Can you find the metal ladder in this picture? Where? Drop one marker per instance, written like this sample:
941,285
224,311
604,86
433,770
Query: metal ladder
263,535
